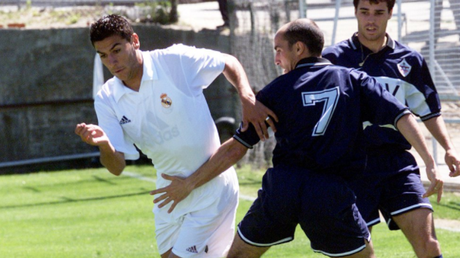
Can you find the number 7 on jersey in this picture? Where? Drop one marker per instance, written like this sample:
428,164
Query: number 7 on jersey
330,97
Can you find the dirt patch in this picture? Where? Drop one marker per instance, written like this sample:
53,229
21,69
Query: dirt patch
447,224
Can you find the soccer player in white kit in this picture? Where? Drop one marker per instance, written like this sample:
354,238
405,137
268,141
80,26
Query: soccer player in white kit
155,102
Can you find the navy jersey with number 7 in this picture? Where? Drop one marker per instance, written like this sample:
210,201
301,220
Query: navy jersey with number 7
321,108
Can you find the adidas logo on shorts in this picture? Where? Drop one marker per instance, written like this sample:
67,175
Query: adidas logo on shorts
192,249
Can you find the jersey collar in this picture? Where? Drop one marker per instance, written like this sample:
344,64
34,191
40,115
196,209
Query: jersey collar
312,61
356,45
149,74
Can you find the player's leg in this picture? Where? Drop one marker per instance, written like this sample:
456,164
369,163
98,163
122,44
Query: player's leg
204,236
368,189
404,207
166,255
331,220
273,217
169,254
205,225
418,227
240,249
166,233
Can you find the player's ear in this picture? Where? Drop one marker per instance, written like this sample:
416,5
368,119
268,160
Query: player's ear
300,48
135,41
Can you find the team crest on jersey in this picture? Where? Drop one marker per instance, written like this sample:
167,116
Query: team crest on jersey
404,68
166,101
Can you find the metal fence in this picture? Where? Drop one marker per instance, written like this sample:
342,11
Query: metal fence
432,27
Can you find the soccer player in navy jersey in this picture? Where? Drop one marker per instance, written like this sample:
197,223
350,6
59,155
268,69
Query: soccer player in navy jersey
320,109
391,182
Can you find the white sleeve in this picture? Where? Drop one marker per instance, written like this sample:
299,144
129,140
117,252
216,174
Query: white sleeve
108,121
193,69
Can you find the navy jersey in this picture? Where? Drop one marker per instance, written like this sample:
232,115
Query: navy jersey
321,108
402,71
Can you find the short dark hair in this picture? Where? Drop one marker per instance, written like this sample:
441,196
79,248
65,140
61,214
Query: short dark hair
307,32
390,3
109,25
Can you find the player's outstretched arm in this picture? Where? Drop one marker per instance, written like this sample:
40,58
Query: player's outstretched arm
438,129
409,128
253,111
94,135
227,155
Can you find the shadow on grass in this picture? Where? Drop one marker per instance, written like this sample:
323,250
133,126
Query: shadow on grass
451,205
103,180
93,179
67,200
32,189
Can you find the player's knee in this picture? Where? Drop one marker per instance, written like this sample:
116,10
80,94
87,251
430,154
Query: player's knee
431,249
240,249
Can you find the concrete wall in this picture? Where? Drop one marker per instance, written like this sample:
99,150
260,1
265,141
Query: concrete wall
46,89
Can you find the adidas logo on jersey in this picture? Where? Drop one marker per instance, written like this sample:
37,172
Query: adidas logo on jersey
192,249
124,120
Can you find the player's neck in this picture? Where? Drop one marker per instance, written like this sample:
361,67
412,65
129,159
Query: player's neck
374,45
134,80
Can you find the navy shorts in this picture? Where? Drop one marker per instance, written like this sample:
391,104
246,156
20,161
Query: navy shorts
323,205
391,183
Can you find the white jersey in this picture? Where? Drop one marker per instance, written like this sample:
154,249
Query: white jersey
168,119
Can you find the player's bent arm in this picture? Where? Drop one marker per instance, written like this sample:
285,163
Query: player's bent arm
94,135
226,156
235,74
253,111
111,159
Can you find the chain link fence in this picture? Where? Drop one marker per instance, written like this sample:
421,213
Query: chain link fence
432,27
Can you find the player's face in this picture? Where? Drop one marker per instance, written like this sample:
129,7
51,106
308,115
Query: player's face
285,56
372,21
119,56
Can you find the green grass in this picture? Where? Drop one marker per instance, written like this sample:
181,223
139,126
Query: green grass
90,213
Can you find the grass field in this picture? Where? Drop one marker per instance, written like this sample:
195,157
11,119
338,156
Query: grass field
90,213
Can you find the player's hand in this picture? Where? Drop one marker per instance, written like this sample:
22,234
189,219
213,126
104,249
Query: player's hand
452,161
91,134
175,192
437,185
258,114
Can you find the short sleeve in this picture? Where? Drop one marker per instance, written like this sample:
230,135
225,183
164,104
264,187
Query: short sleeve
192,69
108,121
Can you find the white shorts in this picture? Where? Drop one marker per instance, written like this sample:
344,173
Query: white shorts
203,224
